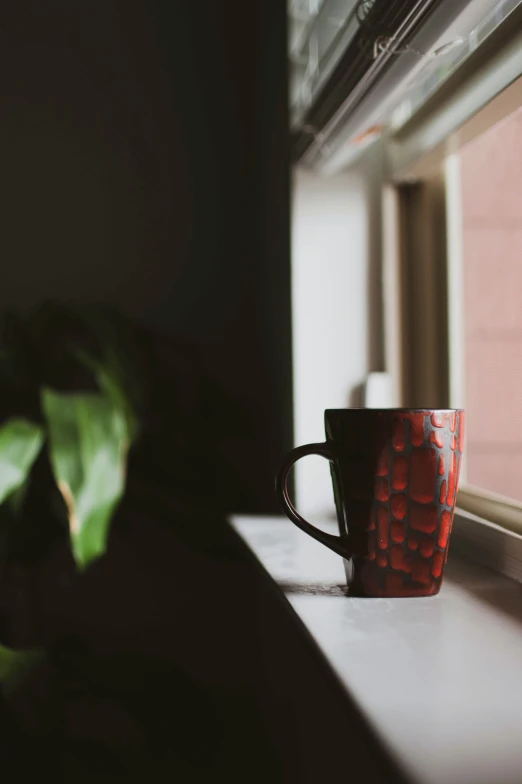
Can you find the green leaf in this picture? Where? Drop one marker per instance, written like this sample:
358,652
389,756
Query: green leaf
88,444
20,443
15,665
110,381
116,364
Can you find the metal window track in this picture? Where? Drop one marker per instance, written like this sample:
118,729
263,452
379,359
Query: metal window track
357,71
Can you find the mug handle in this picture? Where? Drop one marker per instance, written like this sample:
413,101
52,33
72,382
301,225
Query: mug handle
335,543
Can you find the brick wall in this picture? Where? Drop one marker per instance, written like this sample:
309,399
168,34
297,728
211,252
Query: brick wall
491,176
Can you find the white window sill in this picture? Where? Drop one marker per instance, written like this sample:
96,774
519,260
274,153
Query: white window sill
439,679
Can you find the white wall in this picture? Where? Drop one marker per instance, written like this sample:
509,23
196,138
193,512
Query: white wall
336,296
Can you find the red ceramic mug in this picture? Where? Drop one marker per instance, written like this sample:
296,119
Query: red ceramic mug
395,475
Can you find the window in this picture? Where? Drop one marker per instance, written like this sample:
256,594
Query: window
450,125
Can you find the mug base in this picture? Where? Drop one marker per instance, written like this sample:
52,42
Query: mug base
406,593
366,580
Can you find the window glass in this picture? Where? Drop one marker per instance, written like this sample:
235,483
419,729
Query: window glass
491,191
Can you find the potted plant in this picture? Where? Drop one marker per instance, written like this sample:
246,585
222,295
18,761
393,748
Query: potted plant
68,417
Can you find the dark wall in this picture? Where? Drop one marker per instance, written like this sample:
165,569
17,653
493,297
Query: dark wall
145,165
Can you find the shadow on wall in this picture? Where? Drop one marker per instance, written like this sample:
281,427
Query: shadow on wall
356,396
